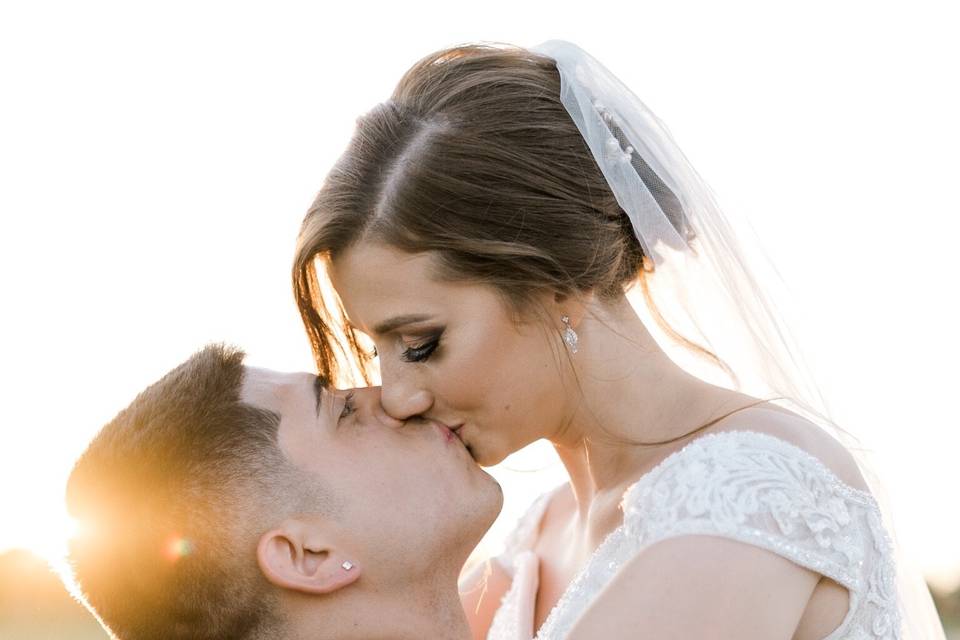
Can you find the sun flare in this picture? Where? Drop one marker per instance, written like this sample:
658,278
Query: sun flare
45,537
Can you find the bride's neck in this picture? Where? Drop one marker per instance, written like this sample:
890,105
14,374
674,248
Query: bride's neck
631,391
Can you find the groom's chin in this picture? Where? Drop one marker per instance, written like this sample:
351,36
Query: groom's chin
487,505
494,506
498,502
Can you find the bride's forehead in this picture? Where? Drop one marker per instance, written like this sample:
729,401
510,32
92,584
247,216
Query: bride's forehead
376,272
380,286
367,264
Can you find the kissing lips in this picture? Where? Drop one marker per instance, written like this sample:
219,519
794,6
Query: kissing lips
445,431
456,431
452,433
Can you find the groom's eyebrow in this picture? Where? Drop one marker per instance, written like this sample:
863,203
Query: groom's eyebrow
319,384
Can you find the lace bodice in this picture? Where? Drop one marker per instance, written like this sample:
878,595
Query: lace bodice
743,485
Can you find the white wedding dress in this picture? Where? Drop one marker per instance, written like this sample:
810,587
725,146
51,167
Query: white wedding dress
744,485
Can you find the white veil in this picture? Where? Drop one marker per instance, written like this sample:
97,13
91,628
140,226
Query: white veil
702,281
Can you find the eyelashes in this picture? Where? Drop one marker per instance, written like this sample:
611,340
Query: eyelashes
421,352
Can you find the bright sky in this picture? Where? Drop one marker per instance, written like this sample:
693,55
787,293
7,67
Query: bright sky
156,161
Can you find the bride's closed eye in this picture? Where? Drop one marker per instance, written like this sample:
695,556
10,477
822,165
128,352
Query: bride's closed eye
422,351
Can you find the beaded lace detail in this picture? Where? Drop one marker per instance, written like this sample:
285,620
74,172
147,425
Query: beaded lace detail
757,489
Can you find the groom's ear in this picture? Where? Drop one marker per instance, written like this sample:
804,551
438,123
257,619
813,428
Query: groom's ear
296,556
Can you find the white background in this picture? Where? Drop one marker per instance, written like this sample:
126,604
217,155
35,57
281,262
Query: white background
156,160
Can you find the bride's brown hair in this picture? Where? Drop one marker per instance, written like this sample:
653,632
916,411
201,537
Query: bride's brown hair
474,159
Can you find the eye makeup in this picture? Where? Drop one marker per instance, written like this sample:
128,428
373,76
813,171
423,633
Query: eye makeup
422,351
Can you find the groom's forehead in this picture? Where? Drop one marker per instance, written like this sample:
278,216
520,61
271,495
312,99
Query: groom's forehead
268,388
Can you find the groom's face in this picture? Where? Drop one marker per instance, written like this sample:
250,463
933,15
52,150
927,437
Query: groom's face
408,490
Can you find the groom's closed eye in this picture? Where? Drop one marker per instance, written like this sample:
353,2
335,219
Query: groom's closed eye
348,406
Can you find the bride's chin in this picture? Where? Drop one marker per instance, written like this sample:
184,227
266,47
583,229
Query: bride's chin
483,449
484,457
472,450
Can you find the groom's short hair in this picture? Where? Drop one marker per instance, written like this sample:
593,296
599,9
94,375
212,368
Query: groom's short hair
172,496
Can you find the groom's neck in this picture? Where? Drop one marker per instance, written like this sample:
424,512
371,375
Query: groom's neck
412,613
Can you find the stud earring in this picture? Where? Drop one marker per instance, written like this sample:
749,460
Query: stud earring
347,565
569,335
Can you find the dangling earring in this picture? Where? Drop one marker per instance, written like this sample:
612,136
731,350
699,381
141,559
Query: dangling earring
569,335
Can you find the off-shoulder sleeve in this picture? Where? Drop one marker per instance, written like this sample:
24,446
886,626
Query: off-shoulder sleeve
763,491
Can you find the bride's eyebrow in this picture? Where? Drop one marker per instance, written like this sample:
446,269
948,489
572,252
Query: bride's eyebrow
399,321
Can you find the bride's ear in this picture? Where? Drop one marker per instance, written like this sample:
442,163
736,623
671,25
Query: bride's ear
293,556
572,306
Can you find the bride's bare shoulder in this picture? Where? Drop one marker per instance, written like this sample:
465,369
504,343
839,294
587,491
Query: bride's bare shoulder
791,427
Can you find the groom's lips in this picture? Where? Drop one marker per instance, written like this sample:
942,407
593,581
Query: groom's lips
450,434
445,432
453,432
456,431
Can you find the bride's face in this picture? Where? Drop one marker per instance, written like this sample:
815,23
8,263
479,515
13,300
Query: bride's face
453,352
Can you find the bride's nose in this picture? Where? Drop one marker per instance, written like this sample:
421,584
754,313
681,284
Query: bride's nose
403,401
381,414
368,401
